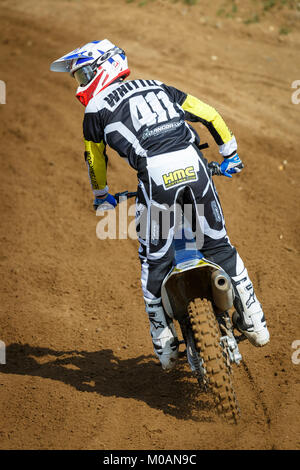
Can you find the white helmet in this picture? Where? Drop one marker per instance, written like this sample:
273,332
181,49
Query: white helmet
95,66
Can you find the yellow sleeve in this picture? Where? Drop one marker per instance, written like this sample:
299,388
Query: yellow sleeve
197,110
96,161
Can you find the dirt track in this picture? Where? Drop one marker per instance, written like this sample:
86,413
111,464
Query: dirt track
80,370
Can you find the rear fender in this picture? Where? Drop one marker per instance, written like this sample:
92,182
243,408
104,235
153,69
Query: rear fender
185,282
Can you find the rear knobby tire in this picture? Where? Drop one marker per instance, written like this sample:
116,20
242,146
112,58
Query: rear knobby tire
217,371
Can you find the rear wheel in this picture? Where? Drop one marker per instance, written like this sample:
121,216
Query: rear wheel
217,376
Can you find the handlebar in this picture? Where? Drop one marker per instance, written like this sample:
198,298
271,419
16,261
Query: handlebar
214,168
124,194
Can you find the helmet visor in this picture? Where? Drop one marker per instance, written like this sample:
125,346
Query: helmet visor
84,75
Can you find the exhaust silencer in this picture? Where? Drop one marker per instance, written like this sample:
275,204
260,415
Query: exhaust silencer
222,290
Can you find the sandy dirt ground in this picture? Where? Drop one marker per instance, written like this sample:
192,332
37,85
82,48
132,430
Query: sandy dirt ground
80,372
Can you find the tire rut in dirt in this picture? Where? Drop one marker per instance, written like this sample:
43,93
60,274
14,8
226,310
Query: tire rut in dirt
258,393
218,372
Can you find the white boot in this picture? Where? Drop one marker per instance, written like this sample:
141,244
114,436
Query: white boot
164,337
249,318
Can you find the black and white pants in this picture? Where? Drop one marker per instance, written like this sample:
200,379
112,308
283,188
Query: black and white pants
168,181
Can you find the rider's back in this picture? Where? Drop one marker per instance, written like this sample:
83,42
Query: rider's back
138,118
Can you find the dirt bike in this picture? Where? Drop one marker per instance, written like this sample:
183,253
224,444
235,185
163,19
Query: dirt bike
198,294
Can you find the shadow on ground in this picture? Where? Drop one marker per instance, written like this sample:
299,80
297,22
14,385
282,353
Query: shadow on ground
176,393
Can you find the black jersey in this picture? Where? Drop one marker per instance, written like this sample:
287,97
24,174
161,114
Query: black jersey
144,118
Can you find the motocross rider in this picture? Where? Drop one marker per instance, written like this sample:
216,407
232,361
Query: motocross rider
145,122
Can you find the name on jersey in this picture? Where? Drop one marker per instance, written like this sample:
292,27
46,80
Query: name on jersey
179,176
116,95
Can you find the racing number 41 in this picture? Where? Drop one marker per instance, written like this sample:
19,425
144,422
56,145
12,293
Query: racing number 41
153,108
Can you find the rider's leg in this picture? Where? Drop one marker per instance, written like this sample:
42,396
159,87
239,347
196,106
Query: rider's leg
164,336
249,318
156,256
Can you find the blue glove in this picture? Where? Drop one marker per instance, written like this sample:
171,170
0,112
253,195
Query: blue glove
105,203
231,165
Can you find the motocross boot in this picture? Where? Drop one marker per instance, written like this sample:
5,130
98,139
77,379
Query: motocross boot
163,333
249,318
